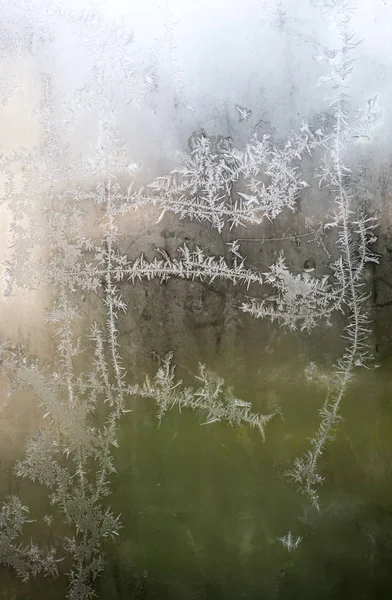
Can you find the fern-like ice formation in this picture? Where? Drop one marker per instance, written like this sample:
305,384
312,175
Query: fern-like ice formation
300,301
192,265
211,398
354,238
219,183
290,542
27,560
71,453
62,454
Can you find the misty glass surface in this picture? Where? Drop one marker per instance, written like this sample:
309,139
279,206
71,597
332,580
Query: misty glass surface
196,325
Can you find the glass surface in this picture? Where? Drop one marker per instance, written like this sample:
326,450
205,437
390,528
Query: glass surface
196,300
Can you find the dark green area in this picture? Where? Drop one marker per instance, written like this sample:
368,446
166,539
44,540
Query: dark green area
203,506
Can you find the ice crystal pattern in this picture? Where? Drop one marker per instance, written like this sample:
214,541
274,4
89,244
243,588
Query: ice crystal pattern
217,182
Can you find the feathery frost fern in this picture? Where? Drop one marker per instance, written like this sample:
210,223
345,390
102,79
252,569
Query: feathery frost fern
354,237
211,398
